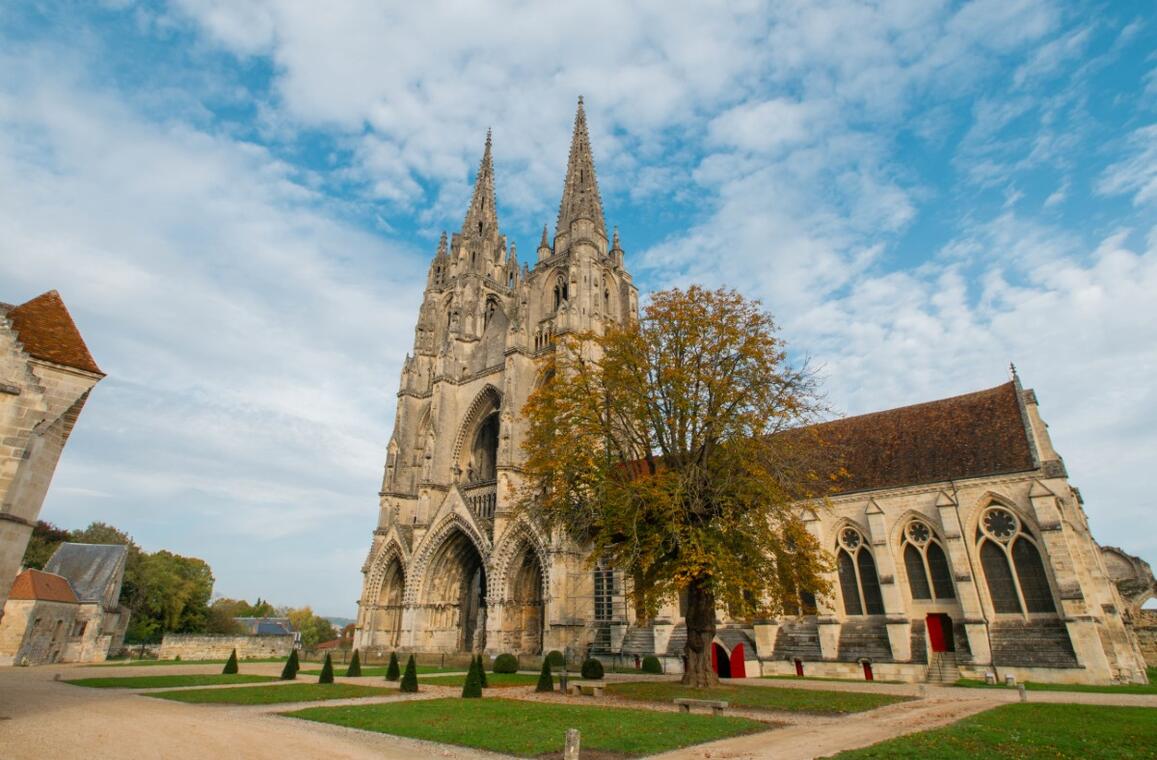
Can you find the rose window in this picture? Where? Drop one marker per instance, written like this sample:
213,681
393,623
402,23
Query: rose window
850,538
1000,524
919,533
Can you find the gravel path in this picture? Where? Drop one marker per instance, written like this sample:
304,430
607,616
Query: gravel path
43,718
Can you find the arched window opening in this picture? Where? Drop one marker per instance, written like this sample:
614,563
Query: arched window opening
484,453
1013,567
859,582
560,293
604,592
929,576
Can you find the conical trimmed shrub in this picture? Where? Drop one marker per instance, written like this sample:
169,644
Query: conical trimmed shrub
326,671
410,678
393,671
472,689
482,672
230,664
289,672
355,668
545,679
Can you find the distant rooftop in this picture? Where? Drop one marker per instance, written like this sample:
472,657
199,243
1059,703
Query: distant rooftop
47,332
94,570
41,586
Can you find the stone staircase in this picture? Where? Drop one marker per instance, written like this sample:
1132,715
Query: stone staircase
1036,644
943,669
601,642
639,640
798,641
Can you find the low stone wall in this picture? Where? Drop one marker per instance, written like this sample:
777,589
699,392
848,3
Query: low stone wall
208,647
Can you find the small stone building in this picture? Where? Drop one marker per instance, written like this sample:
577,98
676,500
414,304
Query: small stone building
70,611
46,374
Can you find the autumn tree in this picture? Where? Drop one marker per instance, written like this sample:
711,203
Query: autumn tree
661,445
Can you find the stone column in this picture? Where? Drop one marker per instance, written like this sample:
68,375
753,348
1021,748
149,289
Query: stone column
957,549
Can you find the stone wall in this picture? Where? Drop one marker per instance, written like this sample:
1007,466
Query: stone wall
1145,627
35,632
209,647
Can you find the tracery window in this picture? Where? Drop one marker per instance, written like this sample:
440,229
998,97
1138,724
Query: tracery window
856,568
929,575
1012,564
604,592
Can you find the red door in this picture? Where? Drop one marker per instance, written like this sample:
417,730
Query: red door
799,668
738,668
868,676
936,633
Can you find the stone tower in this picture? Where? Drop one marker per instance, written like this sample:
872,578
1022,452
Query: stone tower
450,567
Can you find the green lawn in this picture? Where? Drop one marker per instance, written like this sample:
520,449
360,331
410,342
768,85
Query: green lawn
529,729
380,671
168,682
1129,688
272,695
493,680
1031,732
758,697
146,663
820,678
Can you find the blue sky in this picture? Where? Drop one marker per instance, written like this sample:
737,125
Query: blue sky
238,198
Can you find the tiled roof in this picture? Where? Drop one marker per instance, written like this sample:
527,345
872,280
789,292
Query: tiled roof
967,436
45,587
47,331
96,571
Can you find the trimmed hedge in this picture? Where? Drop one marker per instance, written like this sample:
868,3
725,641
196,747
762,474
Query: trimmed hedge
394,671
482,672
651,664
410,679
355,668
505,663
326,670
545,679
592,669
472,689
230,664
555,658
289,672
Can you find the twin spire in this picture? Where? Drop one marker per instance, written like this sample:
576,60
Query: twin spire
580,190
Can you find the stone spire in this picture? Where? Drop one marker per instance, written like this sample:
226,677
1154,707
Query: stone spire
580,193
482,216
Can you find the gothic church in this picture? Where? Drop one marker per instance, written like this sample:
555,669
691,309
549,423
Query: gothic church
961,549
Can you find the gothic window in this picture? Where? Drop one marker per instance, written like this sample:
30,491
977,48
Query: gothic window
929,576
1012,564
856,569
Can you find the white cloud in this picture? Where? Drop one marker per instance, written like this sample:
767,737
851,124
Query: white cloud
1136,174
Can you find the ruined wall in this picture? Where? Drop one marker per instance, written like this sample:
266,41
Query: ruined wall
35,632
209,647
1145,627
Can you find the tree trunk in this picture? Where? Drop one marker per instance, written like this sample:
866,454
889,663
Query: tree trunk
700,635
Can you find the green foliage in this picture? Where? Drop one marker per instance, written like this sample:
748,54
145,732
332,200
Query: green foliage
651,664
230,664
505,663
393,672
545,679
289,672
355,668
223,611
314,629
1030,732
529,729
42,543
555,658
326,670
410,678
592,669
482,672
472,689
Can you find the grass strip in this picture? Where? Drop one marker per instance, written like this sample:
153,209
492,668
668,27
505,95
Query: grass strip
529,729
176,663
757,697
1030,732
168,682
380,671
273,695
1126,688
493,680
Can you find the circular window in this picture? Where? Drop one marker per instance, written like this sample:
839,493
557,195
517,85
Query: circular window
1000,524
850,538
918,532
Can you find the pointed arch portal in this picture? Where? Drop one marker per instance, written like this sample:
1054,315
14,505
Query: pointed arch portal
524,613
455,594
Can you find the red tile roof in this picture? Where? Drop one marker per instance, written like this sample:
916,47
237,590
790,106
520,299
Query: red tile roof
47,331
45,587
967,436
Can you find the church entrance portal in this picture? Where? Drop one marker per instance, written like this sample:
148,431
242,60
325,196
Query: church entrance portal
524,610
387,618
455,601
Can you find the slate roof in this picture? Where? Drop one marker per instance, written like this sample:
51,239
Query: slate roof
973,435
47,331
265,626
41,586
94,570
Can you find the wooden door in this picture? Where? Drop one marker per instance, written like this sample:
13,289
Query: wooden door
738,668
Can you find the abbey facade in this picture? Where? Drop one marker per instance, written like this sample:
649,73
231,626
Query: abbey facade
960,547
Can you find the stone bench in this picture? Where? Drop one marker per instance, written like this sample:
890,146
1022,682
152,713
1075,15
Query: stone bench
685,705
586,688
